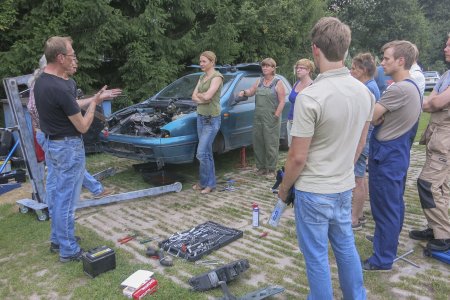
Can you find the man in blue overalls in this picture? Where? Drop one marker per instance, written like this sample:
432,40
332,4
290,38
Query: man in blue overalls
395,119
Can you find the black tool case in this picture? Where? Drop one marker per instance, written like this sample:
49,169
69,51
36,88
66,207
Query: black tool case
199,241
99,260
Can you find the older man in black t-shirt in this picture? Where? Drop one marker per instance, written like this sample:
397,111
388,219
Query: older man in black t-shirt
62,122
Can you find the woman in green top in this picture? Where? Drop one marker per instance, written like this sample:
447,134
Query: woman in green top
207,96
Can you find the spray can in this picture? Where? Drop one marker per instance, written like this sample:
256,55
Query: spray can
276,213
255,219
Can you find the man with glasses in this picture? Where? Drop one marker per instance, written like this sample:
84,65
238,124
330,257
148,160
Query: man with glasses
62,123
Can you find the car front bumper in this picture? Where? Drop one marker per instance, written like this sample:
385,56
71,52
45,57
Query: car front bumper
172,150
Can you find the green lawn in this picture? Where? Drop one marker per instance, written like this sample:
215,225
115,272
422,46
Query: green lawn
29,270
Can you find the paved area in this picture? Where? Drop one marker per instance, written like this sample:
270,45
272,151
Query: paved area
274,259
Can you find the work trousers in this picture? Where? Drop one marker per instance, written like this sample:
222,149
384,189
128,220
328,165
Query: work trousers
432,184
266,140
388,165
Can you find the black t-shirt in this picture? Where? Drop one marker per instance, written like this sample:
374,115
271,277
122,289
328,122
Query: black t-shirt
73,86
55,102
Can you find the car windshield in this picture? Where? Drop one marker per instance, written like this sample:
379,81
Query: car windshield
182,88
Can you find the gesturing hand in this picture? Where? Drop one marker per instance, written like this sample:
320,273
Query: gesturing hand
104,94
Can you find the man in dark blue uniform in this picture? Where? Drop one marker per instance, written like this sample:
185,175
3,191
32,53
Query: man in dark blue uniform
395,119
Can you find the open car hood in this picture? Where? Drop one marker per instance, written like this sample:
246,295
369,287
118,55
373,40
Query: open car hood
146,119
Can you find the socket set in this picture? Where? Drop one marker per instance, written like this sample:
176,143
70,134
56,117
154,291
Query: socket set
199,241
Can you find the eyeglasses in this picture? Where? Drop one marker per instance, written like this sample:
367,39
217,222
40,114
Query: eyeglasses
301,68
74,57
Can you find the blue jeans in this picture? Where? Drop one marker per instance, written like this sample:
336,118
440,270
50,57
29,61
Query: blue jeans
50,183
323,217
67,163
207,128
89,182
92,184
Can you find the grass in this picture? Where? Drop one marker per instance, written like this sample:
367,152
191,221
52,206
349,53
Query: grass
423,122
30,271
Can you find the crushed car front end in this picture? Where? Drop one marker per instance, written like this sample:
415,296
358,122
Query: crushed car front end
153,131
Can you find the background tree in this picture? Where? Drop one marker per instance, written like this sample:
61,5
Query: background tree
142,45
376,22
7,14
437,13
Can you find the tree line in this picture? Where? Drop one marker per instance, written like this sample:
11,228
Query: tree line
142,45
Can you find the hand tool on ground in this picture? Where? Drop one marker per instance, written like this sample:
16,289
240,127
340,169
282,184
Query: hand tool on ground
402,257
164,260
152,252
210,262
146,240
256,295
159,254
127,238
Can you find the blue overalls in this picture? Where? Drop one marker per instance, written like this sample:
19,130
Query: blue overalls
388,167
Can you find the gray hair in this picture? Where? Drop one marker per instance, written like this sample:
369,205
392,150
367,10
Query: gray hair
39,71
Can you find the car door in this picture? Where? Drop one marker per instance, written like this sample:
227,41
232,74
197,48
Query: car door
238,119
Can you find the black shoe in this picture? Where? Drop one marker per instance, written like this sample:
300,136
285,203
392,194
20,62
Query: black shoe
367,266
438,245
369,238
54,248
75,257
422,235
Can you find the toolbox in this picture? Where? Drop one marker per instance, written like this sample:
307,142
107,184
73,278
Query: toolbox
99,260
199,241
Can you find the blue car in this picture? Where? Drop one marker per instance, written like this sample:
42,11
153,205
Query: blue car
163,128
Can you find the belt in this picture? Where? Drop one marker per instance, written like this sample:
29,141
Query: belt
61,137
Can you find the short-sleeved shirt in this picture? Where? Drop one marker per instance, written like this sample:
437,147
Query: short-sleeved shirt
417,75
55,102
402,101
443,83
373,88
212,108
441,117
333,112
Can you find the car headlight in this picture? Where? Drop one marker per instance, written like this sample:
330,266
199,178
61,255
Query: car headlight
165,133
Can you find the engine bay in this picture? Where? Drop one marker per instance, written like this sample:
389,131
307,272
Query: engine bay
147,119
